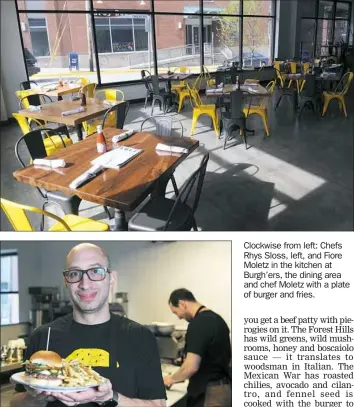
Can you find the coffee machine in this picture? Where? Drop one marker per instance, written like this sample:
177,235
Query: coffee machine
42,301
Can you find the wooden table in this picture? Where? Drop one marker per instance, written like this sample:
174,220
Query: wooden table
122,189
255,89
176,76
53,112
60,91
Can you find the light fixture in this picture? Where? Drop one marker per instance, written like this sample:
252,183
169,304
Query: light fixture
142,3
99,1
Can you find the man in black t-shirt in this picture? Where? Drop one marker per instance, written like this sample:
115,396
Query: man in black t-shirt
207,353
119,349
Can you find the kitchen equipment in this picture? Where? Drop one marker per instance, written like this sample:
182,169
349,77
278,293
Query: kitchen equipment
3,354
122,299
42,300
170,347
152,327
164,328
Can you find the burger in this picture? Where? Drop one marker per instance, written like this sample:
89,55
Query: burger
44,368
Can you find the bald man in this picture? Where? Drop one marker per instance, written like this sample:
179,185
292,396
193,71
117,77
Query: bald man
119,349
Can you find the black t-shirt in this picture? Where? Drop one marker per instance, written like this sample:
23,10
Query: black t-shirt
121,350
209,337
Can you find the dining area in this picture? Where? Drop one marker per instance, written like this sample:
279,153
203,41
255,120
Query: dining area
159,154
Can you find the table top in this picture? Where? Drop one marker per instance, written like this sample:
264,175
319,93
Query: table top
123,188
322,77
175,76
254,89
53,111
59,90
178,390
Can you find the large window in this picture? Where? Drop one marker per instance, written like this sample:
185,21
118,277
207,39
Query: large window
327,32
122,37
9,288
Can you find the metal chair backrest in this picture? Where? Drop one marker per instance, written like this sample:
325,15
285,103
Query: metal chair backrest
194,97
35,99
197,180
145,76
345,82
27,85
16,213
236,106
110,94
89,90
305,67
120,110
279,79
310,86
163,124
155,84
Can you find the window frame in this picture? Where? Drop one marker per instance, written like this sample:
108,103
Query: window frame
333,20
152,13
9,253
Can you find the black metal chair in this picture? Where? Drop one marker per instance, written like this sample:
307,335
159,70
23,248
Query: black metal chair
310,97
121,111
38,99
284,91
35,146
162,214
234,119
27,85
163,97
163,127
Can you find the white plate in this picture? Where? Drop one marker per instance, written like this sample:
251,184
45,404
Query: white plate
21,379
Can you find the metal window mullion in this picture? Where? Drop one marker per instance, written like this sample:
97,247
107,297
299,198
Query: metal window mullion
98,69
21,38
153,32
110,33
201,39
241,34
133,33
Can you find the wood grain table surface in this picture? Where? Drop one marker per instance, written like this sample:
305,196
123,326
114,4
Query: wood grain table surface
66,89
53,111
124,188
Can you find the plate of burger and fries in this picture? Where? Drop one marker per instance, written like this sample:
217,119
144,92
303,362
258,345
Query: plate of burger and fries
47,371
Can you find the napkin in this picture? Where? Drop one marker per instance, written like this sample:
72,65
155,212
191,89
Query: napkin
86,176
32,108
73,111
51,163
171,149
122,136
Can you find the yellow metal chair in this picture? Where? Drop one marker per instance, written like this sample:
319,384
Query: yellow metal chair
185,93
199,108
339,95
51,143
182,84
82,81
89,90
305,70
279,74
293,66
209,80
112,95
16,213
262,108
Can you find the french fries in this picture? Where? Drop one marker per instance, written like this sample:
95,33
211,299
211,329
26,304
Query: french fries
76,374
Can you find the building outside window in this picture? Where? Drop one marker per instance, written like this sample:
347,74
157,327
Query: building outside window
9,288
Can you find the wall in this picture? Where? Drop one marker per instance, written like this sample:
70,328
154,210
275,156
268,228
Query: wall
13,70
148,272
3,116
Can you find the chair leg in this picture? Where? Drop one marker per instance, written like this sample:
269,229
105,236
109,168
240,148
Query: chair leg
195,227
290,82
265,122
302,106
244,133
108,213
146,99
215,123
344,106
152,106
227,136
325,106
194,122
174,184
41,227
180,102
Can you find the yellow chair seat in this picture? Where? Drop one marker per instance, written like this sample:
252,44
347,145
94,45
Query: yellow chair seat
208,108
53,143
79,224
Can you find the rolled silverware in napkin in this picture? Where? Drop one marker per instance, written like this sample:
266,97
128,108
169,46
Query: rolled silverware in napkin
171,149
73,111
50,163
32,108
91,173
123,136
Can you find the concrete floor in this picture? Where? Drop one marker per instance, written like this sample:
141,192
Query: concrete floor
299,178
